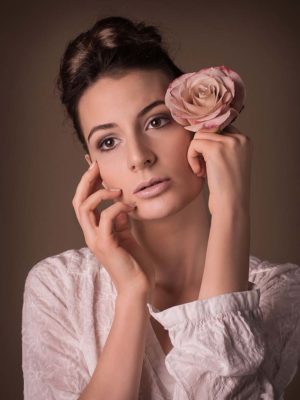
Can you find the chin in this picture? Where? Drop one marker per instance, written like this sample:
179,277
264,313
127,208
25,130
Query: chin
162,206
151,212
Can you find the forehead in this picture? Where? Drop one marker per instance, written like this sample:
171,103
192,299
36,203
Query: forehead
112,96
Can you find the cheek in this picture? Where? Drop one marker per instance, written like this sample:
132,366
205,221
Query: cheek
109,172
179,149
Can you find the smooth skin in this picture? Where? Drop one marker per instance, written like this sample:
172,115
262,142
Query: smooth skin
140,148
109,237
228,167
164,250
174,227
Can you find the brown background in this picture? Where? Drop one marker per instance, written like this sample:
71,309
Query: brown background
42,162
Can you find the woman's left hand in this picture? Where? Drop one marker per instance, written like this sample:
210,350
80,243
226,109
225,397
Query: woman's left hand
225,159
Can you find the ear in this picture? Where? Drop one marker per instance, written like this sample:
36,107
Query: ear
88,159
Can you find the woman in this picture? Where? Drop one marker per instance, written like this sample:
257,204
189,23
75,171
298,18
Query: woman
165,301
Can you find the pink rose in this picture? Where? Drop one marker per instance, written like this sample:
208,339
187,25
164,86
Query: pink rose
207,100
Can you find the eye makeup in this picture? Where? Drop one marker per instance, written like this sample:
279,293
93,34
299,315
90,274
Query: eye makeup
101,141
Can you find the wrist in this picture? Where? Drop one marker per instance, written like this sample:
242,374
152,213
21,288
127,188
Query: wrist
233,211
134,303
133,297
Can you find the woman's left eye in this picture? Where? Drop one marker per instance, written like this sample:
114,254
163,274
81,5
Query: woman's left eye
159,125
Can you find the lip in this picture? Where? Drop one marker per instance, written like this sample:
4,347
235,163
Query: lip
154,190
149,182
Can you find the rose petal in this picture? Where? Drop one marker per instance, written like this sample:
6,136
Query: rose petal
221,122
195,120
178,81
208,99
239,87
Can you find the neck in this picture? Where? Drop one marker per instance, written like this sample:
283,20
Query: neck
177,245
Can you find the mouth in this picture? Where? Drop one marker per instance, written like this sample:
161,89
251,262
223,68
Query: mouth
144,185
154,189
152,184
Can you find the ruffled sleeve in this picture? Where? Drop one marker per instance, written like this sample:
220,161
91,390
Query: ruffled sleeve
53,365
280,306
220,344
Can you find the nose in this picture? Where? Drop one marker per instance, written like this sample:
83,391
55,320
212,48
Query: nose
140,155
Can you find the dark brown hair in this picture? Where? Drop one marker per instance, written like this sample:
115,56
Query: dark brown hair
112,47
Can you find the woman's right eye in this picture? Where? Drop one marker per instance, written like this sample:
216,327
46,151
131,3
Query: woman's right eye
101,143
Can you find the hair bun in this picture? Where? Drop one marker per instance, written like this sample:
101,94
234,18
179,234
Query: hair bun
111,47
149,33
119,31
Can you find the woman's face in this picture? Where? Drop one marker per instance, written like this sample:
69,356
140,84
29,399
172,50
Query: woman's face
137,146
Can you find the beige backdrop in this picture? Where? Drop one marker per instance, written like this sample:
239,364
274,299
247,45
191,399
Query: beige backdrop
42,162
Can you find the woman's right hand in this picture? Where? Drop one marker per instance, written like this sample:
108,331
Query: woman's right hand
108,235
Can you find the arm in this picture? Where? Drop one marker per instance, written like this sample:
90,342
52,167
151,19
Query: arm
240,345
226,267
227,167
53,364
218,348
118,372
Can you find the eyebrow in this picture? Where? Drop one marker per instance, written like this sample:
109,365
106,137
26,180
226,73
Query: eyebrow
140,114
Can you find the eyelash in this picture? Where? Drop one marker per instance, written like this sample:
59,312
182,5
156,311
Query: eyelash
100,143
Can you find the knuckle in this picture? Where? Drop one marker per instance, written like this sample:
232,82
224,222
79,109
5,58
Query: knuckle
82,208
246,142
218,148
232,142
244,139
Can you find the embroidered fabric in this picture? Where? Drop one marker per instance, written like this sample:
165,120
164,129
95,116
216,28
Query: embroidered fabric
241,345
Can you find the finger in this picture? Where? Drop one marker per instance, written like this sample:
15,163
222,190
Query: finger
240,136
225,138
197,148
86,212
209,136
107,226
122,222
228,129
236,133
87,184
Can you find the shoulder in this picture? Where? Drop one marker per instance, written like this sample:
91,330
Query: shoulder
63,270
279,280
260,268
264,272
68,262
279,285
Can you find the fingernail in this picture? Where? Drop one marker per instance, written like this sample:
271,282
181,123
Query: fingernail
93,163
115,190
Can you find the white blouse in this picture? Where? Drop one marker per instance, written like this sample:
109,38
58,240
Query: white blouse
240,345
